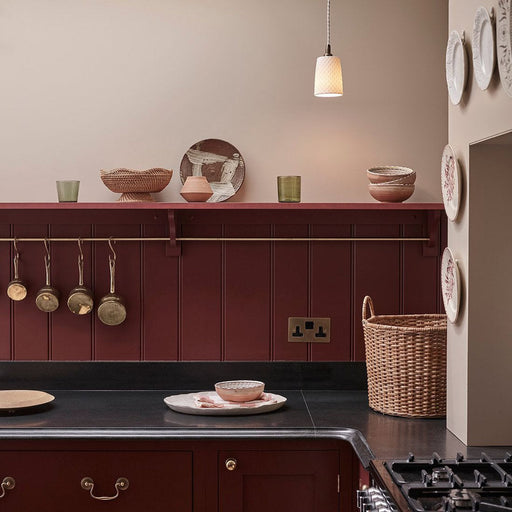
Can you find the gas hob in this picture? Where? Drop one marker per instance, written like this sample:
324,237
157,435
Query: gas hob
448,485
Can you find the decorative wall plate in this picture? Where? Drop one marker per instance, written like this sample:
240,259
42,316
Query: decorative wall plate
221,164
450,285
450,182
186,404
456,66
504,43
484,54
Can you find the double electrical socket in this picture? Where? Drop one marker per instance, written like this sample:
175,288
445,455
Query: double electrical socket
309,330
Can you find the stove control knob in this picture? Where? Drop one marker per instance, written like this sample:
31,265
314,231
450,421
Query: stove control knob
361,497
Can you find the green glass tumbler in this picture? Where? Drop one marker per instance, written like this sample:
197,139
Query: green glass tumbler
288,189
67,191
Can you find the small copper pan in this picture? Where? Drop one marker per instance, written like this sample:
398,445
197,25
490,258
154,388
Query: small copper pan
80,300
47,299
16,289
111,309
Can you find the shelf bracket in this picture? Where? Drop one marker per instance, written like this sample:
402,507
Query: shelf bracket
433,246
173,247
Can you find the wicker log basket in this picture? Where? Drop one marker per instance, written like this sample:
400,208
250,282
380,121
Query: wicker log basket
406,363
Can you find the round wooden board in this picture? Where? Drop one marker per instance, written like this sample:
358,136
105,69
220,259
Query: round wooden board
11,399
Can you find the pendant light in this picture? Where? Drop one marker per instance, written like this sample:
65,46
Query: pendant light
328,77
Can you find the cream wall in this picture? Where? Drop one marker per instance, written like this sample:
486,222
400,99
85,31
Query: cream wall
480,115
91,84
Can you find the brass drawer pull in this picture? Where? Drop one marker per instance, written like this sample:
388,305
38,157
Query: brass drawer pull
7,484
121,484
231,464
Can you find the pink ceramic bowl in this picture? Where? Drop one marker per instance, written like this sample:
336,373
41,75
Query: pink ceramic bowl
240,390
390,193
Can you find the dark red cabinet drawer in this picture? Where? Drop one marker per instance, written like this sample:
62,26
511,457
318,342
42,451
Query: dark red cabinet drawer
51,481
288,481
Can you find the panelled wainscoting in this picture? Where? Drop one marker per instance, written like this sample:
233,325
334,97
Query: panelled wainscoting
217,300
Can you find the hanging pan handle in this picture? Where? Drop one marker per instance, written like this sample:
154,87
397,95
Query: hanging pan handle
80,264
47,260
367,302
112,265
16,259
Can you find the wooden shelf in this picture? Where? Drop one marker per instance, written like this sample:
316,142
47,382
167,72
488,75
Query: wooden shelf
224,206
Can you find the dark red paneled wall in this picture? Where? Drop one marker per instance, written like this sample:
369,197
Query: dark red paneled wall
218,300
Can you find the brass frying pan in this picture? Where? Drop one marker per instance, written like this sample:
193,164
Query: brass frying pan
111,309
80,299
47,299
16,289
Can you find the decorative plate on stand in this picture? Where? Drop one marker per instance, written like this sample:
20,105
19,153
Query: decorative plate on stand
484,54
221,164
450,285
450,182
504,43
456,66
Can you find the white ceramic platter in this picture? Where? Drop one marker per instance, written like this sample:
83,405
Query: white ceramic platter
13,399
187,404
484,55
456,67
450,285
450,182
504,43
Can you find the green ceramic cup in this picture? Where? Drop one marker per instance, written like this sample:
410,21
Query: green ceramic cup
288,189
67,191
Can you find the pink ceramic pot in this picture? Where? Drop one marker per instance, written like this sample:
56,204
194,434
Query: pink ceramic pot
196,188
387,193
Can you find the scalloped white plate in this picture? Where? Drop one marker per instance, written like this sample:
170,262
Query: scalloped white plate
504,43
450,182
484,55
456,67
450,285
186,404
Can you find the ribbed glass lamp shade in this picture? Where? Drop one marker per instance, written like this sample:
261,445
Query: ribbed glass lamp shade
328,77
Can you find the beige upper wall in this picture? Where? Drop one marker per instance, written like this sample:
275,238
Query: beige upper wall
480,115
91,84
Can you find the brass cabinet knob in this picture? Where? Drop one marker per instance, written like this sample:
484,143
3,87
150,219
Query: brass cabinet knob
231,464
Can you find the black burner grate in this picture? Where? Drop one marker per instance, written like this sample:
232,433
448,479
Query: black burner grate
455,484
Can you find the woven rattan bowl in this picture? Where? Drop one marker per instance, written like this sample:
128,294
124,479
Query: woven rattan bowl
240,390
135,185
391,173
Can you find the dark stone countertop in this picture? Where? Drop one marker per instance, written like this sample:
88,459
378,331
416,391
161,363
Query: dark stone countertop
308,414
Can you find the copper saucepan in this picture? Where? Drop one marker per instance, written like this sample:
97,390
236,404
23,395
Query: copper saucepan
47,299
111,308
16,289
80,299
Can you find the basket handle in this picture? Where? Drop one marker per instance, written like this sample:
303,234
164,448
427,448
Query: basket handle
367,301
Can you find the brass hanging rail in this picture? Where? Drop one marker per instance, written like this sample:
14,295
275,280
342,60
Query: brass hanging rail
216,239
312,239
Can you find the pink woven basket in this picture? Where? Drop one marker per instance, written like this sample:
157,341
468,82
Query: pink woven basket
405,363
